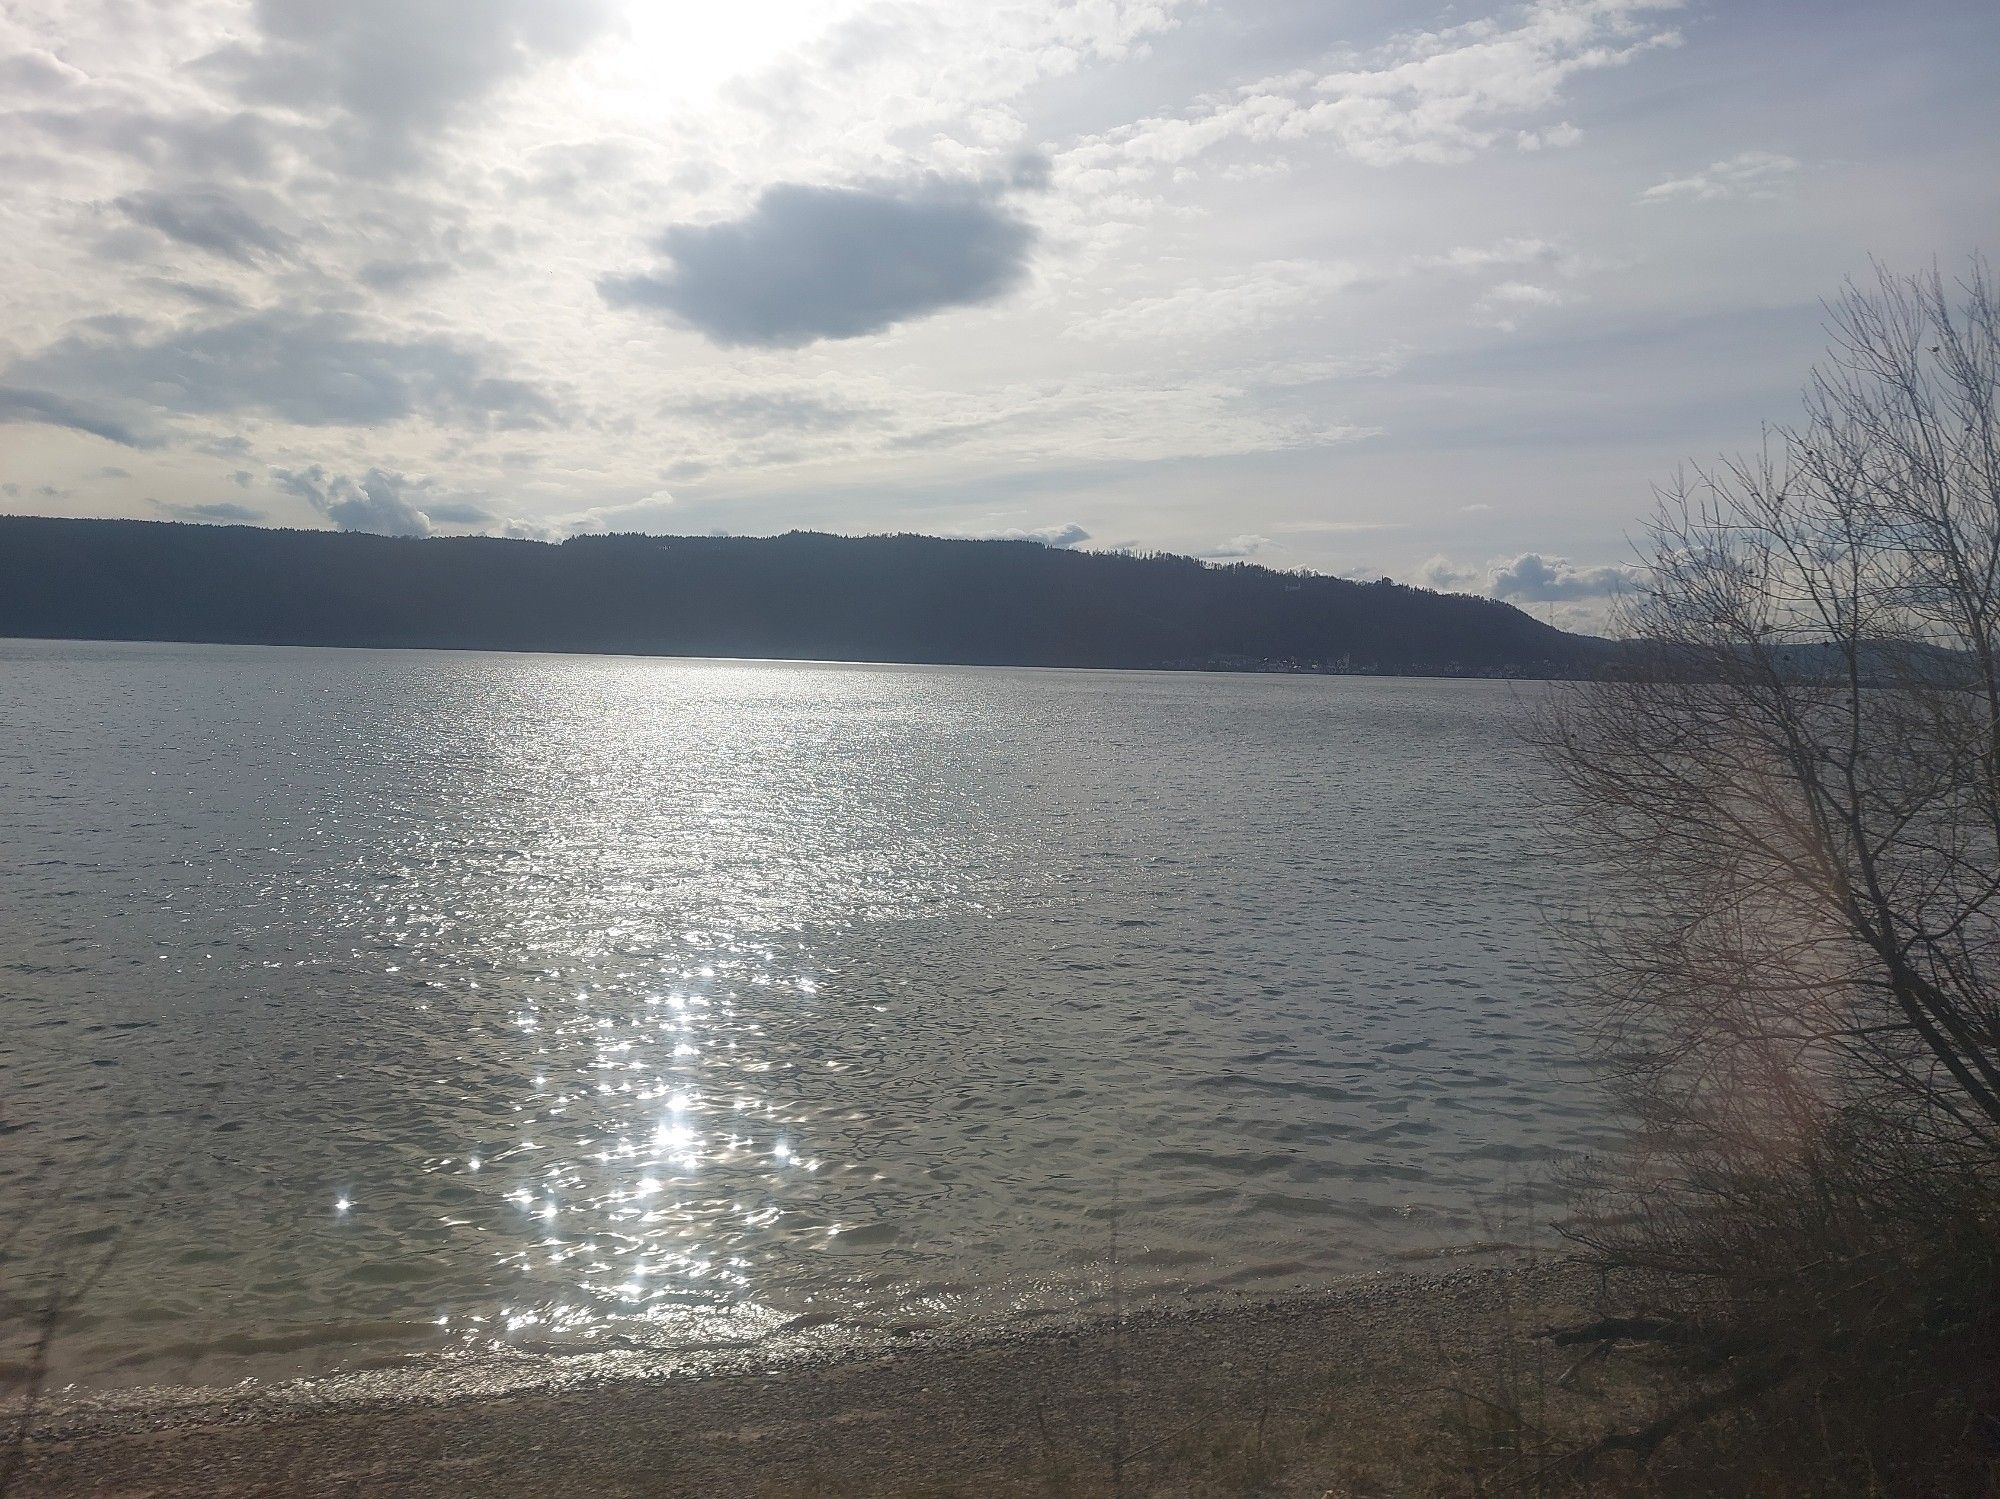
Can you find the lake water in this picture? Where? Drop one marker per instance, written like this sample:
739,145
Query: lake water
359,1004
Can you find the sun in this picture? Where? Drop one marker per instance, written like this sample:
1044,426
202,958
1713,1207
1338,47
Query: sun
677,53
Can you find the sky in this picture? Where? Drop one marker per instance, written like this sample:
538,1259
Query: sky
1438,292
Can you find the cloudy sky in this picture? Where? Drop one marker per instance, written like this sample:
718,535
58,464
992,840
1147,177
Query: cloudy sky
1432,290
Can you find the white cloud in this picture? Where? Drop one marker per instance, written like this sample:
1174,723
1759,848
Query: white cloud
1434,97
1525,294
646,514
1237,548
380,501
1504,254
1062,536
1504,305
1529,577
1748,174
1535,578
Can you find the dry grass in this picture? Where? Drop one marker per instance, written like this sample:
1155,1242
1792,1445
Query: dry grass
1828,1326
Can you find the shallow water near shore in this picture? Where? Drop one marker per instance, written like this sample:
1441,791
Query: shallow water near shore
363,1004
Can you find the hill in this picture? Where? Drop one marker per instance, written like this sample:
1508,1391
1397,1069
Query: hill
803,595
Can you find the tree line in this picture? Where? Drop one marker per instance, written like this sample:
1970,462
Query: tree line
798,596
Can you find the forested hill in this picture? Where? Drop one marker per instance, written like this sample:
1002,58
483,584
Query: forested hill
802,595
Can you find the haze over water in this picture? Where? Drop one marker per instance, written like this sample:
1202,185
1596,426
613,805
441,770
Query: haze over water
386,1002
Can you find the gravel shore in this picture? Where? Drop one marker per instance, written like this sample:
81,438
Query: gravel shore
1330,1391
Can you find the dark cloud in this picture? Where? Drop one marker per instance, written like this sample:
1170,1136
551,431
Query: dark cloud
393,74
808,263
314,369
225,511
207,218
380,501
45,408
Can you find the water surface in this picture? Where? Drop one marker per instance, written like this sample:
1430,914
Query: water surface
359,1004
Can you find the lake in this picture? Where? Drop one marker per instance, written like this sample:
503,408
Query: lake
356,1005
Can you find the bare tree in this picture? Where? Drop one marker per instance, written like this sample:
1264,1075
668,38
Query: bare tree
1800,751
1793,769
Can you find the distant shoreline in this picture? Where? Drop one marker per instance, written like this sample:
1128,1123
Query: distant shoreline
1168,669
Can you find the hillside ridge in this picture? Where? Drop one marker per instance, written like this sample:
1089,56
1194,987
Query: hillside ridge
802,595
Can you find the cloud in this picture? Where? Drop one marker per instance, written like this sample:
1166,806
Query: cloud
45,408
1434,97
1237,547
1339,527
312,369
626,516
1506,299
401,275
1531,577
1538,579
190,143
37,72
380,502
394,74
774,410
1444,575
1513,251
1061,537
222,511
1749,174
207,218
213,298
1525,294
459,513
807,263
1505,304
1266,294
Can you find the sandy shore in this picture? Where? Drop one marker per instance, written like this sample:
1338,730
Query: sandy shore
1332,1391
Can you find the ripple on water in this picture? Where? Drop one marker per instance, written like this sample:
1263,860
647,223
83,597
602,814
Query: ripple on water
368,1003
